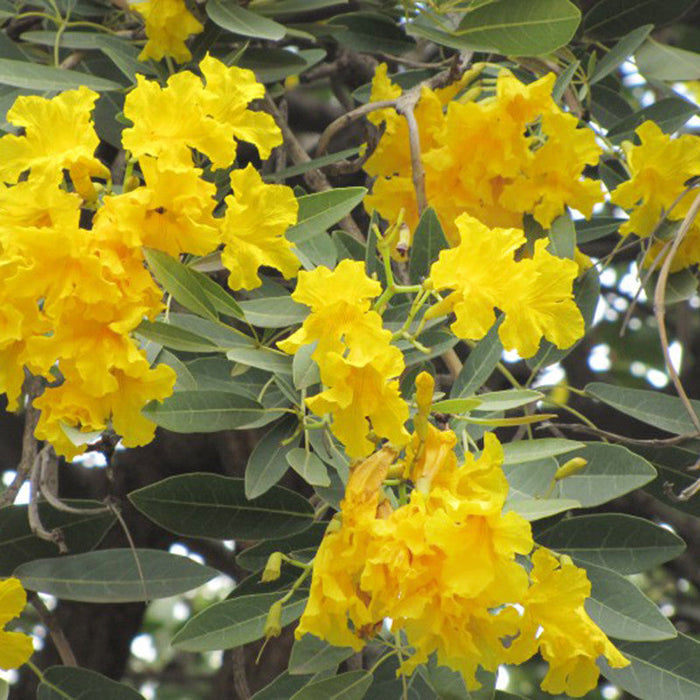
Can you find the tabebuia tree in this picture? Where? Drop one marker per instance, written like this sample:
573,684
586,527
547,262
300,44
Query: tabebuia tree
347,349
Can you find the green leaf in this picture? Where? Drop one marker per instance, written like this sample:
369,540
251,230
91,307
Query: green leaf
272,64
513,27
621,52
284,686
311,655
611,471
616,541
114,576
179,281
67,40
562,237
305,371
608,107
657,61
124,56
214,506
285,8
32,76
587,231
267,463
670,114
507,399
370,32
532,450
479,365
455,406
319,211
658,670
538,508
613,18
428,240
263,358
352,685
274,312
660,410
232,17
680,286
254,558
203,411
622,611
68,683
528,480
217,296
232,623
173,337
81,532
308,466
302,168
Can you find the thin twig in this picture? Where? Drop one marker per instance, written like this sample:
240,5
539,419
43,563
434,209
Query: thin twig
37,527
406,108
651,442
58,638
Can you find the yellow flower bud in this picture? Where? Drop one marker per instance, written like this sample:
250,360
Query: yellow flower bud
273,568
573,466
131,183
273,624
291,81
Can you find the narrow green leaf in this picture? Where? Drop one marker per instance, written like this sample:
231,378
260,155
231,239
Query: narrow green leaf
621,52
173,337
32,76
616,541
531,450
113,575
254,558
231,16
479,365
285,8
371,32
180,281
319,211
587,231
203,411
124,56
667,669
562,237
657,61
217,296
284,686
611,471
274,312
263,358
622,611
267,463
220,334
210,505
456,406
311,655
523,29
428,240
537,508
660,410
81,532
507,399
302,168
670,114
68,40
68,683
308,466
232,623
352,685
613,18
564,80
305,371
608,107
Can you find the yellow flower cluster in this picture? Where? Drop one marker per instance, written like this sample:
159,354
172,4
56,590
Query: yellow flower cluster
495,159
534,293
168,25
446,568
357,362
15,647
660,169
74,285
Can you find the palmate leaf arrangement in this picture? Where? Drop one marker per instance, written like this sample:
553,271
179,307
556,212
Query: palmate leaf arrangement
434,535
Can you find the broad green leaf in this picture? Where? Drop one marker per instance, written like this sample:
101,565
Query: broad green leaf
622,611
302,168
537,508
530,450
114,576
507,399
203,411
229,15
371,32
185,381
81,532
263,358
217,296
210,505
284,686
311,655
69,683
428,240
616,541
479,365
611,471
32,76
124,56
680,286
305,372
527,480
613,18
456,406
562,237
608,107
516,28
173,337
587,231
232,623
667,669
254,558
267,463
274,312
657,61
316,251
271,64
352,685
180,281
222,335
670,114
652,407
620,52
308,466
285,8
68,40
319,211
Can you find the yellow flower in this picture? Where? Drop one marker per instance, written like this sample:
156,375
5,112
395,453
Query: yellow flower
253,229
540,303
168,24
58,134
15,647
556,622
